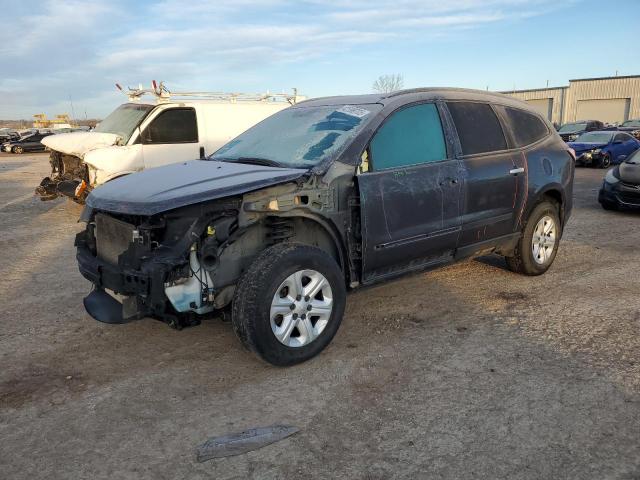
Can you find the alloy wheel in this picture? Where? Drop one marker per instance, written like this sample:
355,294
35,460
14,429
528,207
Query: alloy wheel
301,308
544,240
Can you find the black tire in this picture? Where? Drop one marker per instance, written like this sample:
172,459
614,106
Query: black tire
256,289
522,260
605,162
607,205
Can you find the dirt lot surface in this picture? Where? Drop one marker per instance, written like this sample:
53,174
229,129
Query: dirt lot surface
465,372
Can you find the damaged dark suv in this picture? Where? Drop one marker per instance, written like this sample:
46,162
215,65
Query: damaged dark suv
326,196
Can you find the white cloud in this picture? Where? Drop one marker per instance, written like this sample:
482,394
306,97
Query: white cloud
80,48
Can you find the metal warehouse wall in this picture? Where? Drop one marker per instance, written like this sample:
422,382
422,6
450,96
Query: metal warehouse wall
610,99
601,89
554,95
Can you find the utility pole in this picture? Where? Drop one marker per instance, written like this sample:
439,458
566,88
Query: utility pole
73,114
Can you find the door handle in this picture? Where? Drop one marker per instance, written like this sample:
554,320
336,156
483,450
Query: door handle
516,171
450,181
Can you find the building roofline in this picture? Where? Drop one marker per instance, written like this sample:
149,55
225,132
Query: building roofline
604,78
533,89
621,77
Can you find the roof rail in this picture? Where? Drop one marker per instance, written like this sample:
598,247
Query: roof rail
163,94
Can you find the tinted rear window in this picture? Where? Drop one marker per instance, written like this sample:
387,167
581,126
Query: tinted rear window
478,127
526,127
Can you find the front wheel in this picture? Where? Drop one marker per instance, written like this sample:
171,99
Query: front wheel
605,162
538,243
289,304
18,150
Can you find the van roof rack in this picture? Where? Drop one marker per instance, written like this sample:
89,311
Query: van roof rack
163,94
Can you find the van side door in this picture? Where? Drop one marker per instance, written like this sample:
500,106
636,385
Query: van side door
170,137
493,173
410,196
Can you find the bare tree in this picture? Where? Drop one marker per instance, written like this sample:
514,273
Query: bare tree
388,83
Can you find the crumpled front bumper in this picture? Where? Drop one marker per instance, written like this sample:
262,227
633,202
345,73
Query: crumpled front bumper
75,189
69,178
133,287
589,158
140,292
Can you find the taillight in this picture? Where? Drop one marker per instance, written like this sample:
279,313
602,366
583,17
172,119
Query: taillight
572,152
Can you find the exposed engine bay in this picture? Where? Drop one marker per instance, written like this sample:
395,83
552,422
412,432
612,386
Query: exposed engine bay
164,257
179,265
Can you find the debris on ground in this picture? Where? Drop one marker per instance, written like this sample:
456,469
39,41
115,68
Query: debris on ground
243,442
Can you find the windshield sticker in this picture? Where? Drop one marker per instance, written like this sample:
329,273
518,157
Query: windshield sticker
353,111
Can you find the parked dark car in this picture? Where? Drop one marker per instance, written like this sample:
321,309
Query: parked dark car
621,185
31,143
327,195
632,127
8,136
571,131
603,149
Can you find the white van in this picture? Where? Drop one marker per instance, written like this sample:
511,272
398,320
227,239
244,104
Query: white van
140,135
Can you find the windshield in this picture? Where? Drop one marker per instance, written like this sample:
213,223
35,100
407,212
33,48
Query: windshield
595,137
124,120
299,137
631,123
572,127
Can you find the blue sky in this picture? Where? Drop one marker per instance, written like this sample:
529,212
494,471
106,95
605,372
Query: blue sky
54,50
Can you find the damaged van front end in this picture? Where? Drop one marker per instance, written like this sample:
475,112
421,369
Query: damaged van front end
80,161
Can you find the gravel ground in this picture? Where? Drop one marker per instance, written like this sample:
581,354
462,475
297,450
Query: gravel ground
466,372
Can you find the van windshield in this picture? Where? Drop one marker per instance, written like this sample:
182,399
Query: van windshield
298,137
124,120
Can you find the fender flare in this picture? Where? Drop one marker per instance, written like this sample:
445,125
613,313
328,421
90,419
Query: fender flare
553,190
329,228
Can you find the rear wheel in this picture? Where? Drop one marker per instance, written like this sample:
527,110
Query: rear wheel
289,304
538,243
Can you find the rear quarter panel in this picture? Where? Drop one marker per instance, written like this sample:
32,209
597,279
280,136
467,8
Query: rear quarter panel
550,170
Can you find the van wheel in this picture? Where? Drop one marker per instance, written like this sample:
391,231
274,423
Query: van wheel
538,244
289,304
